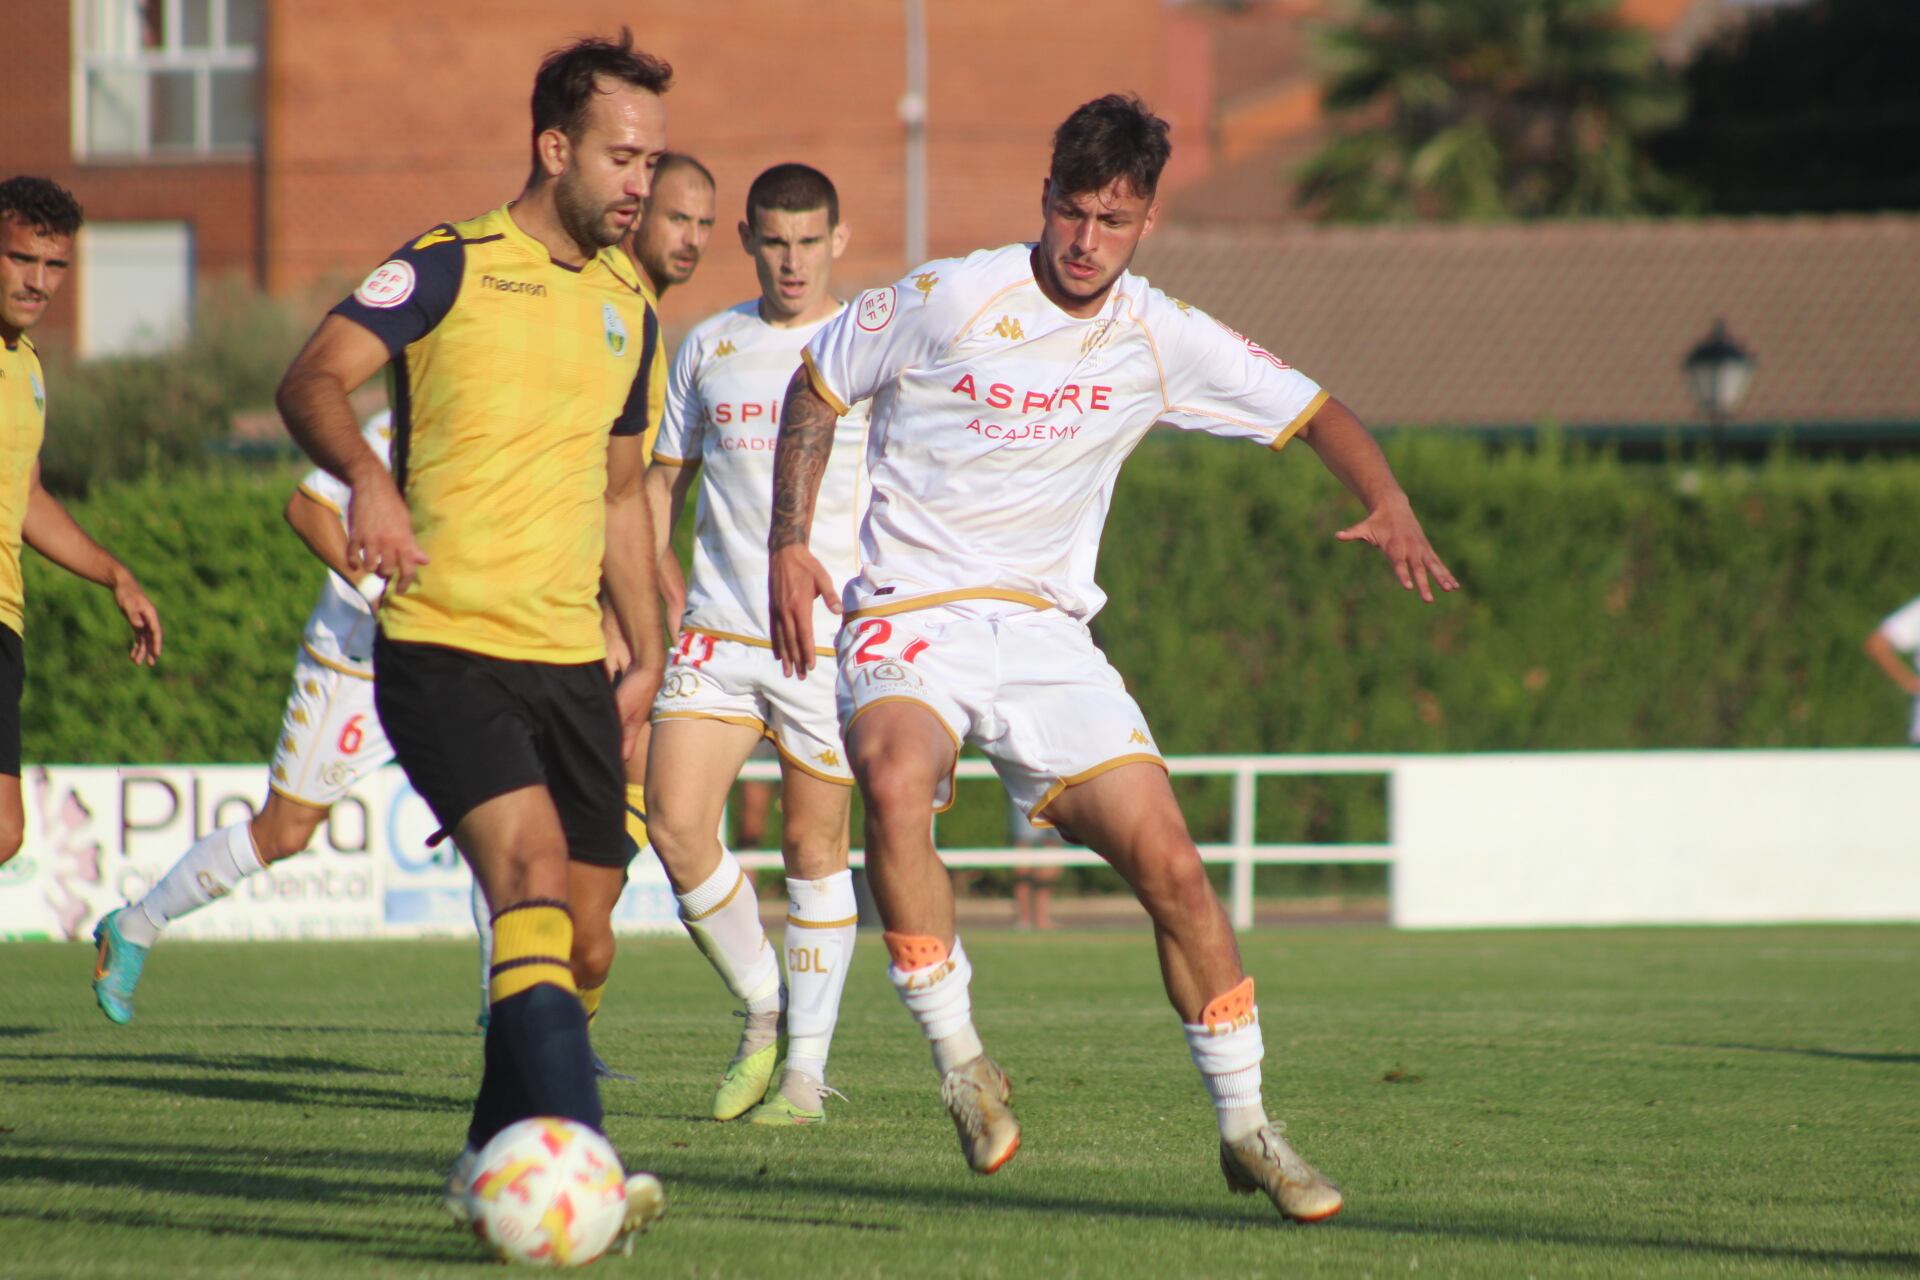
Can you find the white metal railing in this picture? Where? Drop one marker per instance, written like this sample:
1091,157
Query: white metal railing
1241,851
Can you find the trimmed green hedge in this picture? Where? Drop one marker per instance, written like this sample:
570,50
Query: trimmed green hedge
1605,606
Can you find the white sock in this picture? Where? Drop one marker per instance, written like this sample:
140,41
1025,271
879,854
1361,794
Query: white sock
209,870
821,920
1228,1055
723,915
937,996
483,925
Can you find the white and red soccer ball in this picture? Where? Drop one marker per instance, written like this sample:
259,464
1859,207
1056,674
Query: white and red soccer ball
548,1192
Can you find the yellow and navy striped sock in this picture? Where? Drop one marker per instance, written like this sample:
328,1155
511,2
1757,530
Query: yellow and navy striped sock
590,1000
539,1061
532,944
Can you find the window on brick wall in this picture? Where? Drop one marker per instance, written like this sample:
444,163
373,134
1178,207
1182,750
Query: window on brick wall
166,77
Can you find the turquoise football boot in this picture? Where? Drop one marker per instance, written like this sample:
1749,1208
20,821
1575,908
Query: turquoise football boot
117,970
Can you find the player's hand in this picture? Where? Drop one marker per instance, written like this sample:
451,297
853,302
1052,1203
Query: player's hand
1392,527
619,656
794,581
380,532
633,699
141,616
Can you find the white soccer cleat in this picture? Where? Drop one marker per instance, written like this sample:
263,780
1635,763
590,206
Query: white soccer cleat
1264,1161
457,1196
646,1201
977,1095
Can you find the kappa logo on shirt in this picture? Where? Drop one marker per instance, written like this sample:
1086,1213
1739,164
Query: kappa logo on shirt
725,349
1139,737
616,329
1008,328
925,281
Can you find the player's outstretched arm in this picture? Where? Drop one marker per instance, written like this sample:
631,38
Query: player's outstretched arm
1888,659
1348,450
55,534
629,578
795,579
313,400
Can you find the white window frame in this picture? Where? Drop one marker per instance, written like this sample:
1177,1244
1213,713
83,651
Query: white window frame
170,56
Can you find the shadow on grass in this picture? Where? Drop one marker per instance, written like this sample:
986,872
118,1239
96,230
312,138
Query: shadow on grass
21,1033
1844,1055
467,1032
1892,1260
430,1243
1255,1215
271,1092
213,1061
429,1168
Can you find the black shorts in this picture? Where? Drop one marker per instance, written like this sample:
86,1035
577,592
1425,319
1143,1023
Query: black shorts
467,727
13,681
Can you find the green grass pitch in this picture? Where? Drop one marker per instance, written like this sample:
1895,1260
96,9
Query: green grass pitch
1648,1102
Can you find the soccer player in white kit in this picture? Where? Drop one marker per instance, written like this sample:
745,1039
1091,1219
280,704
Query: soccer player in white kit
330,738
1007,389
1900,634
724,690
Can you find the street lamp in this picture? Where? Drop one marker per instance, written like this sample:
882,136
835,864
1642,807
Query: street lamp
1720,371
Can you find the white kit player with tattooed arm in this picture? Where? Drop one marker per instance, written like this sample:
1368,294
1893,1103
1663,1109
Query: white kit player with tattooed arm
1006,391
330,738
724,690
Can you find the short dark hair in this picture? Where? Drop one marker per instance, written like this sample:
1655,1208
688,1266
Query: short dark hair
793,188
674,160
1110,138
42,204
564,87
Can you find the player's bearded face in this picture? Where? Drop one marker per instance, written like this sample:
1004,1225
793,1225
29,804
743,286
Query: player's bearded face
609,170
32,268
1088,238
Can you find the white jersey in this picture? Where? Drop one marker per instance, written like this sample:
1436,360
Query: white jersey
724,394
340,629
999,423
1902,630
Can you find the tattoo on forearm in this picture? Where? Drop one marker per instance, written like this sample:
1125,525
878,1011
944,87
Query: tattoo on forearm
799,460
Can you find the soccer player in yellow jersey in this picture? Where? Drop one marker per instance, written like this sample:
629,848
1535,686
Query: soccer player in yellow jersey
1008,389
38,220
516,344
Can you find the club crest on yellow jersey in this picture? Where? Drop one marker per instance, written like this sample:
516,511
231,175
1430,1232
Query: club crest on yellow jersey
616,329
39,394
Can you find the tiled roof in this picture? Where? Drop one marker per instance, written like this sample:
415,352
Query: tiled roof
1578,323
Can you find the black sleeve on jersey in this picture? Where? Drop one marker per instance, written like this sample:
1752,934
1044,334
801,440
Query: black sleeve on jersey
438,259
633,418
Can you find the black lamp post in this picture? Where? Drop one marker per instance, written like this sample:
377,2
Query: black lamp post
1720,371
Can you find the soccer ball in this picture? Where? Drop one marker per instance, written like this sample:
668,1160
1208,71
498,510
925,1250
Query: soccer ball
548,1192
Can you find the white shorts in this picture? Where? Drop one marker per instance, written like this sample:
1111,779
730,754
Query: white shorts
709,678
1028,687
330,737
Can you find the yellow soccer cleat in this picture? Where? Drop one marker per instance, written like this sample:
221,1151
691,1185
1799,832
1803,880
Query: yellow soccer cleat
745,1083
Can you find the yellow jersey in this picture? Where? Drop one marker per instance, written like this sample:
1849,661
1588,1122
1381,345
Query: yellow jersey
509,373
23,425
656,372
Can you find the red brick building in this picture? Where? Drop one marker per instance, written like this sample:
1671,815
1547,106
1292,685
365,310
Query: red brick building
374,119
